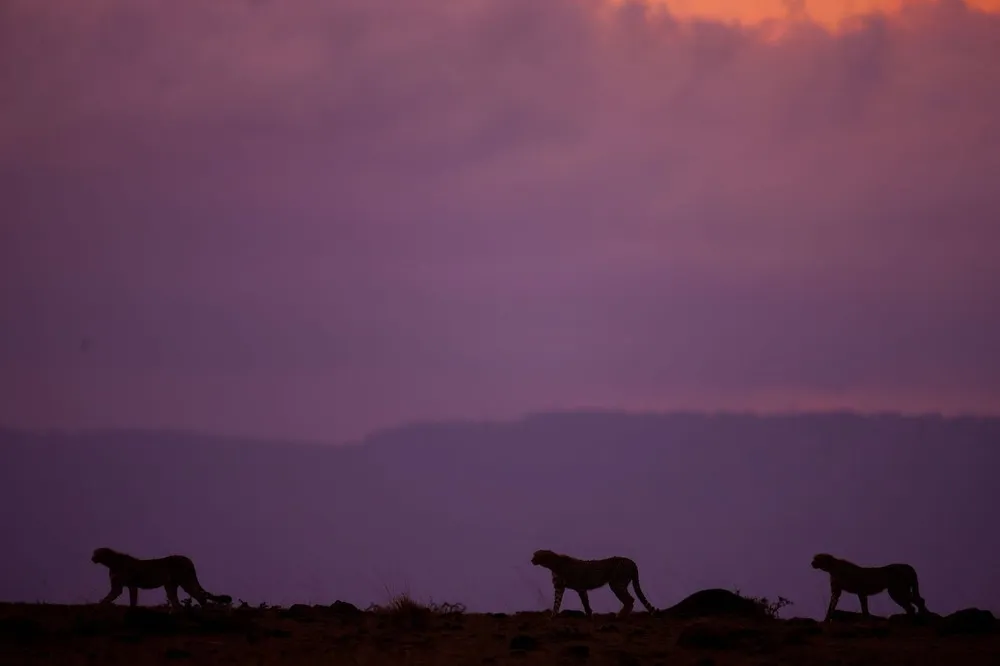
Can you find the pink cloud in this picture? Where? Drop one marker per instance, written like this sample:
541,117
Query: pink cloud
446,209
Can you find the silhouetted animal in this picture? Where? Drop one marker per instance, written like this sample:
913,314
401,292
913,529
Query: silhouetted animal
584,575
899,579
168,572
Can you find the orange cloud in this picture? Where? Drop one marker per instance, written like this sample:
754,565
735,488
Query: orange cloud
829,13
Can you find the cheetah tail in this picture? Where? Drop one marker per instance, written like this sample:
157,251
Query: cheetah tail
918,600
195,589
642,597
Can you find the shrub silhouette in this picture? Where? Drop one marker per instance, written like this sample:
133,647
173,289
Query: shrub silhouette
403,611
770,608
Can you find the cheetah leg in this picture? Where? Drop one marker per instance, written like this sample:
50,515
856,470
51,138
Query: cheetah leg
133,596
585,600
834,598
558,600
171,589
116,591
621,591
196,593
863,598
902,599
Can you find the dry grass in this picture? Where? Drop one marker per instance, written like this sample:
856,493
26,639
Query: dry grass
402,611
405,631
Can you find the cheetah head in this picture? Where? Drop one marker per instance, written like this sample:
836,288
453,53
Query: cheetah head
823,561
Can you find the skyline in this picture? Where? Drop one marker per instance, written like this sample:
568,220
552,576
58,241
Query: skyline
315,221
390,429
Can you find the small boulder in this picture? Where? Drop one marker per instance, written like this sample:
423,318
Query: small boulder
344,609
968,621
300,612
714,602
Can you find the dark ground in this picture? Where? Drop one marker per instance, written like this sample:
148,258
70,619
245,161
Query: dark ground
340,634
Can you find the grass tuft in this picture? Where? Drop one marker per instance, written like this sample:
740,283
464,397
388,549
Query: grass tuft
770,608
402,610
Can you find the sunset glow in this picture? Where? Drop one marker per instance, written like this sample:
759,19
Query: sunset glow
828,13
315,220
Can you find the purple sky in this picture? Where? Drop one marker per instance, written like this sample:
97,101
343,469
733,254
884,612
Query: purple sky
313,219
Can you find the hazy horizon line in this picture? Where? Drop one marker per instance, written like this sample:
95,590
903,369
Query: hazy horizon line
525,416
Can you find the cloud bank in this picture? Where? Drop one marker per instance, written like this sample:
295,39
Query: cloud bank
314,219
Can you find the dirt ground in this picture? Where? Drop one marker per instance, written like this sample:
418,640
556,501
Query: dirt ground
330,635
